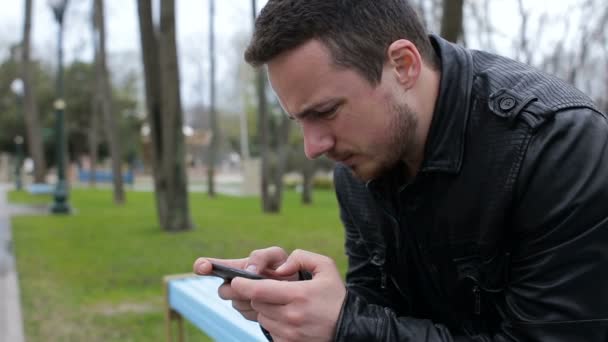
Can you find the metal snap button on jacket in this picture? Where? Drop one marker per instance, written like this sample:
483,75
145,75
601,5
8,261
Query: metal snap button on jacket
507,103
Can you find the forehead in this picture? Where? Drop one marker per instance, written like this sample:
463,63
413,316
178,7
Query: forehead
306,75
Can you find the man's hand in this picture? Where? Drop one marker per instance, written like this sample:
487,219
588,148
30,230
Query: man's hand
300,310
262,261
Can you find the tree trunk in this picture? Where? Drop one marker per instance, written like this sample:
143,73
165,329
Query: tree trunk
244,134
174,166
282,152
263,133
93,135
149,52
308,170
165,116
106,105
215,134
32,116
451,21
263,128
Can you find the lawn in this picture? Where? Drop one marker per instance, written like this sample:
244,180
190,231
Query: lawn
96,275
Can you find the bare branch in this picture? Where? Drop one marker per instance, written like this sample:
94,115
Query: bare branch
523,53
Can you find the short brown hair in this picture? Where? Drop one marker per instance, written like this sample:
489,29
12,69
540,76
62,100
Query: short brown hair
357,32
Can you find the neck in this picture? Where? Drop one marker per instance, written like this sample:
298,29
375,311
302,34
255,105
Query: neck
429,91
426,95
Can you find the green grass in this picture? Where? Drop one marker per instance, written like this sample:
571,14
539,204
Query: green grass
96,275
26,198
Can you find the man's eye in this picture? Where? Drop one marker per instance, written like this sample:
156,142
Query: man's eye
327,113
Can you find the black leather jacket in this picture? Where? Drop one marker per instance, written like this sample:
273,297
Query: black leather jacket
503,234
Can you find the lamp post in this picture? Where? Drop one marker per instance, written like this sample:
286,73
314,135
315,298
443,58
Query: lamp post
17,89
60,196
18,161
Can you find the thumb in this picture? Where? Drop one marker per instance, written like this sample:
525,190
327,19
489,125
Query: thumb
301,260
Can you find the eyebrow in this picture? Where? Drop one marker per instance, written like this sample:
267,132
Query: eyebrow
314,109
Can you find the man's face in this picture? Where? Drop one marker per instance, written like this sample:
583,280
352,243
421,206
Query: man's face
368,128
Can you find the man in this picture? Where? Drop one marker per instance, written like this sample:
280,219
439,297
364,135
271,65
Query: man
473,189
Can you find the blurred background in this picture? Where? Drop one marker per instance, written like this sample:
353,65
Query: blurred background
157,91
219,107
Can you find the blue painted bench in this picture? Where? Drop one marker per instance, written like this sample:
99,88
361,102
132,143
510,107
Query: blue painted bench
103,176
195,298
40,189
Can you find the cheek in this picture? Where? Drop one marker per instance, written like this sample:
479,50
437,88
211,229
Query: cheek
362,137
373,130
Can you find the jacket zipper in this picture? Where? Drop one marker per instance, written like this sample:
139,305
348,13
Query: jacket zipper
382,278
477,294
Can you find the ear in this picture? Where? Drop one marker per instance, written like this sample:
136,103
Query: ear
405,61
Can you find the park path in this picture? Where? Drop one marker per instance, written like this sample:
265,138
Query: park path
11,320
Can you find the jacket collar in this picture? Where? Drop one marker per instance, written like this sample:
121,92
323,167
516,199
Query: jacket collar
444,148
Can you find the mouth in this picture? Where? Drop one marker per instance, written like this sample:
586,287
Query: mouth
346,160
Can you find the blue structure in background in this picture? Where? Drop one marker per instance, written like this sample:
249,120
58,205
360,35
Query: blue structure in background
103,176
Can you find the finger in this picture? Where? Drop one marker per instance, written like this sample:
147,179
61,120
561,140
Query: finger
202,266
272,311
245,309
301,260
225,291
264,260
276,329
264,291
242,305
250,315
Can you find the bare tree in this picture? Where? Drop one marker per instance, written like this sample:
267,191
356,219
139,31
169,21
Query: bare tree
480,15
282,152
159,52
593,51
420,8
524,53
588,34
93,136
308,172
215,132
273,164
94,132
451,20
105,100
435,14
429,12
263,130
32,116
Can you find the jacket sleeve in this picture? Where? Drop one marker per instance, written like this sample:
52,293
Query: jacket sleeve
558,284
559,287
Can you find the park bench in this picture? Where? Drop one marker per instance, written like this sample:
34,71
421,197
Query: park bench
103,176
195,298
40,189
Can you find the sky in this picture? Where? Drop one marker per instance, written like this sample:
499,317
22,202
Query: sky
233,17
233,24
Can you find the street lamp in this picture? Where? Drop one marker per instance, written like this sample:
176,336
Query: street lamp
60,196
17,89
18,161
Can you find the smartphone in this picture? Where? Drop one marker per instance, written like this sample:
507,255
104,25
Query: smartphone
228,273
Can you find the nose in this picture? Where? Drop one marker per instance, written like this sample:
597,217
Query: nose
317,141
